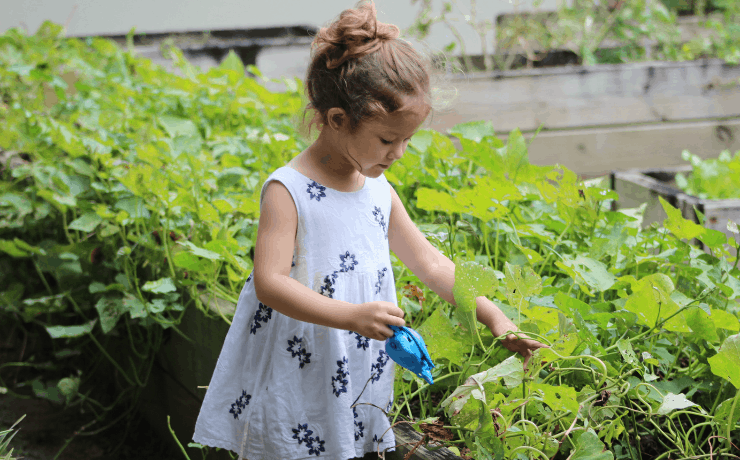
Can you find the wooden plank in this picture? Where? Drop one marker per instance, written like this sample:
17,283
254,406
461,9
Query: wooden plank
602,150
407,438
164,396
634,189
192,363
575,96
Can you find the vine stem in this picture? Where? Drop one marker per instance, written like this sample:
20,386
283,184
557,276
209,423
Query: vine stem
172,432
730,423
537,451
41,275
557,241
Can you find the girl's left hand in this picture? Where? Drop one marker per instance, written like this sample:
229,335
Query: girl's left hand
524,347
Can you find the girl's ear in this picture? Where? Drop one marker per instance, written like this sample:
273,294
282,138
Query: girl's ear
336,117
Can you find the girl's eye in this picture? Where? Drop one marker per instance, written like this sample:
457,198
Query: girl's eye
385,141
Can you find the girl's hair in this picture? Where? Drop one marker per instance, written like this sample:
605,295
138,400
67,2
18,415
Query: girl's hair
360,65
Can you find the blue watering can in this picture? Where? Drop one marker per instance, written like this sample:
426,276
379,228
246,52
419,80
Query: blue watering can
407,348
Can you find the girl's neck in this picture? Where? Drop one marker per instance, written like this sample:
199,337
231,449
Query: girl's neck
323,162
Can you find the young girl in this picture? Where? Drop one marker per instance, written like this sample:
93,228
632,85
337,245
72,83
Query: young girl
304,358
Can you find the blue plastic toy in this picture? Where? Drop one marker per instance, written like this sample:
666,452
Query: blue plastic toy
407,348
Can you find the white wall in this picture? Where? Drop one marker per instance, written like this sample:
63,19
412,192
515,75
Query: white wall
105,17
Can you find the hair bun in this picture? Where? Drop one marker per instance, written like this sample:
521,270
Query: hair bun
356,33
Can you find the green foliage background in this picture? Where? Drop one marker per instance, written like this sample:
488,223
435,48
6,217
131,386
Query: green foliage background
133,196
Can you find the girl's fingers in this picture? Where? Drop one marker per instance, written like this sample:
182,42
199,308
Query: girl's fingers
527,355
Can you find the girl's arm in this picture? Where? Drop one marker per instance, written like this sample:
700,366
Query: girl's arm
437,271
275,288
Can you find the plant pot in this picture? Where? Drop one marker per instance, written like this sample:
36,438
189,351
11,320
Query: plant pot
646,185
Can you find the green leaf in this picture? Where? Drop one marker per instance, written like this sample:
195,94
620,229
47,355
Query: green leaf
651,300
572,308
702,325
200,252
560,398
722,413
134,307
442,338
676,224
134,206
726,363
232,62
713,238
63,332
516,158
588,447
672,402
22,245
160,286
176,126
69,387
434,200
511,371
591,272
625,349
49,391
472,280
109,310
478,201
189,261
157,305
422,140
474,130
521,282
725,320
86,222
564,347
10,248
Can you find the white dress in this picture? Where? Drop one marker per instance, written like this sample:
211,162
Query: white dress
282,388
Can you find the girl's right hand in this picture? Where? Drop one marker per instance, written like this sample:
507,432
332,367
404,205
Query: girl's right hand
371,319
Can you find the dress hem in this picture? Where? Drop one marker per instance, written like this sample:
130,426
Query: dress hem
221,444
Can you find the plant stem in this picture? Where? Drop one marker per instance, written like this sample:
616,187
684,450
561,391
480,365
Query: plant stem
43,278
172,432
730,423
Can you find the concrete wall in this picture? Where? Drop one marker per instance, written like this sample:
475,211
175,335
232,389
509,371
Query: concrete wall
107,17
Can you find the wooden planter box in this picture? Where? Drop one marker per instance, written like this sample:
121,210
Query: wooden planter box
607,117
181,367
595,119
636,187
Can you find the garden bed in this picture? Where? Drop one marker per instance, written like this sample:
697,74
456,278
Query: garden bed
115,224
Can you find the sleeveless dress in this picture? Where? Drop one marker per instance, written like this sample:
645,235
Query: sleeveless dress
283,389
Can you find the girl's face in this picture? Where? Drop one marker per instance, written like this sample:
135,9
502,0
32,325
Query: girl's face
378,143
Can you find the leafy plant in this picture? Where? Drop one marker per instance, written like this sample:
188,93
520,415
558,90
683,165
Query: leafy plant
6,452
132,195
646,30
638,319
714,178
129,195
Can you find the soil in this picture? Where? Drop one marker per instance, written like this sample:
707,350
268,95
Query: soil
52,432
47,428
436,431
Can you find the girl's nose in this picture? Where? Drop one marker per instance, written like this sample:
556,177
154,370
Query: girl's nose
398,152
